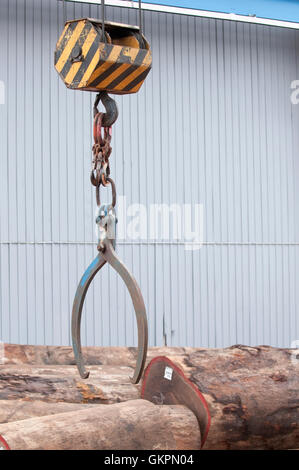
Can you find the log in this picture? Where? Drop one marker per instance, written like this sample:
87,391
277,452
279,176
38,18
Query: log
166,384
136,424
18,354
17,410
252,392
105,384
63,355
249,409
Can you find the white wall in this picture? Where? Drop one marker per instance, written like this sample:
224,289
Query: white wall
213,124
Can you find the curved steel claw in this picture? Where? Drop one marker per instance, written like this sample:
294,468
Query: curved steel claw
82,288
109,255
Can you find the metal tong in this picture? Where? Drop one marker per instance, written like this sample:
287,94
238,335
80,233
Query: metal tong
106,223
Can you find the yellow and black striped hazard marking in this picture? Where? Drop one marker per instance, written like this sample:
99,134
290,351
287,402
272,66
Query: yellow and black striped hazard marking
85,62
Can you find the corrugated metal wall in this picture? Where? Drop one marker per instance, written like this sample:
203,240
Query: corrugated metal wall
213,124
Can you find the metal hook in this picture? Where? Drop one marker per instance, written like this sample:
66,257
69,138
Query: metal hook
110,106
108,255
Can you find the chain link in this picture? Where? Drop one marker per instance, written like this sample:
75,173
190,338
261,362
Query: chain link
101,149
100,169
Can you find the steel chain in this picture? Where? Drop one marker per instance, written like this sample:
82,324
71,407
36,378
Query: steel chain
101,149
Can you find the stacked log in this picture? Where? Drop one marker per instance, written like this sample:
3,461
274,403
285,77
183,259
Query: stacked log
252,393
135,424
105,385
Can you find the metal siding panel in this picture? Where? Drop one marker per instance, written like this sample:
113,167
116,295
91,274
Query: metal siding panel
187,171
4,307
162,165
213,124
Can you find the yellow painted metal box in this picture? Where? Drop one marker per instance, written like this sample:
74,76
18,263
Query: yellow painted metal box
117,62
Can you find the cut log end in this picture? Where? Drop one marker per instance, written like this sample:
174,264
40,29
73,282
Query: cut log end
3,444
165,383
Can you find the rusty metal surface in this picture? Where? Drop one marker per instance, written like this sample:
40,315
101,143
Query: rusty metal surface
101,150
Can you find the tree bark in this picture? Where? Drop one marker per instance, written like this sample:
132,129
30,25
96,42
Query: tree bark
136,424
252,392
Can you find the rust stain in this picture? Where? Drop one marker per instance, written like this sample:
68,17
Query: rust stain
90,393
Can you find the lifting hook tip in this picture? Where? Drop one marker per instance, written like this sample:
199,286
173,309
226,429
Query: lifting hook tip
110,106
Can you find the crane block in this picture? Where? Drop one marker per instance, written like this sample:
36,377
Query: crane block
117,61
